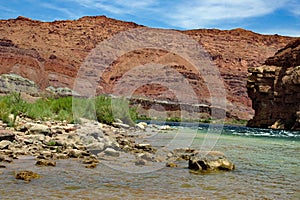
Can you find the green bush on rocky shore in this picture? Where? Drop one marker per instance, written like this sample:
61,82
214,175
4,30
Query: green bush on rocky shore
62,109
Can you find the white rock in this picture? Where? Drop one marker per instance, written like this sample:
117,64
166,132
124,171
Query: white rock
11,117
4,144
120,125
96,146
165,127
38,129
111,152
140,126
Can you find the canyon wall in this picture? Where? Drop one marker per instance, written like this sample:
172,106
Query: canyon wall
51,53
274,89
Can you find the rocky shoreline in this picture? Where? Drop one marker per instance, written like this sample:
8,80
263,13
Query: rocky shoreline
92,143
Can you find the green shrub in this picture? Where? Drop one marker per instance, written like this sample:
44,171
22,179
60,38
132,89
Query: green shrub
51,143
39,110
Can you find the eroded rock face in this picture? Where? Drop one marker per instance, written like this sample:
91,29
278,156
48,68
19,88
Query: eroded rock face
51,53
16,83
275,90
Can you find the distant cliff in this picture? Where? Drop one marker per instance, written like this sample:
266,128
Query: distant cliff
275,90
50,54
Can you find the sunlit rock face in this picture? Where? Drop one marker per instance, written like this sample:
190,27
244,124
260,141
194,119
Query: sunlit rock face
275,90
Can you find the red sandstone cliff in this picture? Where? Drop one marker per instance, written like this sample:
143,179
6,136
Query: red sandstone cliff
50,53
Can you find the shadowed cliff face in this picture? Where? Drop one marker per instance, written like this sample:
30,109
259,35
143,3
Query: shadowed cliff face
50,53
275,90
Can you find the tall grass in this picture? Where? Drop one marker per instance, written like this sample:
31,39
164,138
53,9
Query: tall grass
100,107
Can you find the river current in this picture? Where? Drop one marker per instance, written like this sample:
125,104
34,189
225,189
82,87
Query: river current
267,167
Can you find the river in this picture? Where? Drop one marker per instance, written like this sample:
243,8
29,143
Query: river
267,167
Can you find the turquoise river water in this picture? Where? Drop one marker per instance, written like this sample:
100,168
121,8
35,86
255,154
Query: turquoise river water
267,167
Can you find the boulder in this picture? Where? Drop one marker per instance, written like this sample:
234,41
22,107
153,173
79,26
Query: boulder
210,161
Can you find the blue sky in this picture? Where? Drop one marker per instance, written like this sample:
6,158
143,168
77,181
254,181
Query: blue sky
262,16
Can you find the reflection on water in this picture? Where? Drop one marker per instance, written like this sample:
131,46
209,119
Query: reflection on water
267,168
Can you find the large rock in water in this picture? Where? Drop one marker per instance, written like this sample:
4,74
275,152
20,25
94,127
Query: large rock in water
275,90
27,175
210,161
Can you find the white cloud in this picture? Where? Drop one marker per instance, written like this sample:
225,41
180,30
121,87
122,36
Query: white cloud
180,13
5,9
207,12
59,9
117,6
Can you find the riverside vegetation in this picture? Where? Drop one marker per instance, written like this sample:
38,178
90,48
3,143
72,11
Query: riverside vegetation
61,109
99,108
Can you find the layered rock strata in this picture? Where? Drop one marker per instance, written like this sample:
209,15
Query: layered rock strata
275,90
51,53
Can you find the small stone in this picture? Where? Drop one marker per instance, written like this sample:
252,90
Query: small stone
60,156
91,166
96,146
74,153
120,125
170,164
146,156
2,166
43,162
140,126
27,175
111,152
5,159
39,129
4,144
165,127
90,161
145,147
140,162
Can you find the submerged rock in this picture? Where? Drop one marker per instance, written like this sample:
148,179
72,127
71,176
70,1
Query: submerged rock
171,164
27,175
210,161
